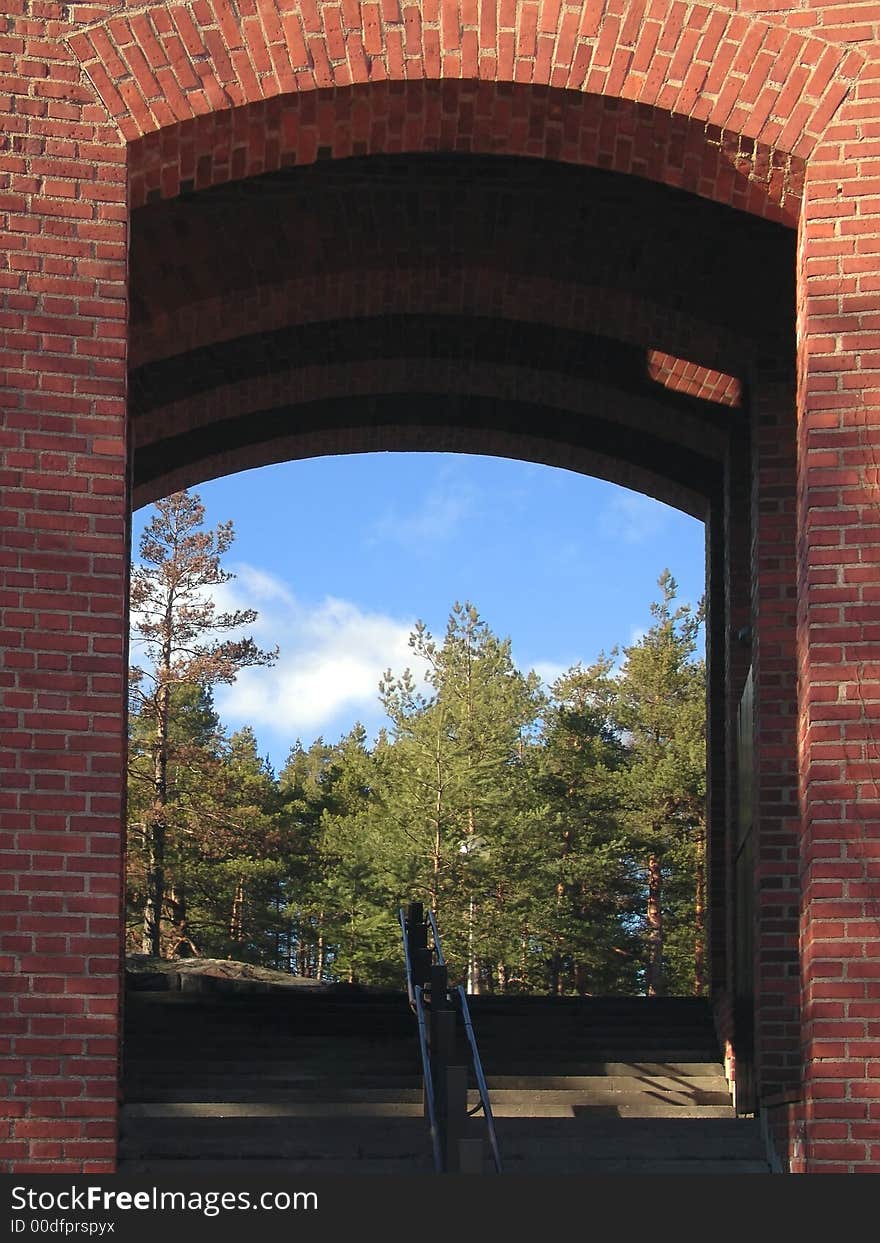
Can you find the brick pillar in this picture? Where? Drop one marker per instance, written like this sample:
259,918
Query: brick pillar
838,636
776,825
736,1021
716,660
63,559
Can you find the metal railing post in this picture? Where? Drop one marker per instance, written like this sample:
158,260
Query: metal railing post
455,1116
445,1081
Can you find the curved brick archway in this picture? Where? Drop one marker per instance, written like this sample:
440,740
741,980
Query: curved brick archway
373,276
459,411
482,118
111,107
730,70
356,305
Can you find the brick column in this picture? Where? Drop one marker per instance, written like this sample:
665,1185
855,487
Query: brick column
63,559
734,976
776,823
838,637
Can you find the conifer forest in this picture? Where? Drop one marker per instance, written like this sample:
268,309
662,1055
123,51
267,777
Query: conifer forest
558,831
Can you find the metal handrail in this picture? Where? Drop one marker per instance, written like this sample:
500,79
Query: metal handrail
482,1086
429,1081
401,915
438,948
416,1002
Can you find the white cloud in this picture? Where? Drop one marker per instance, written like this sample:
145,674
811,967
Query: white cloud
332,657
633,517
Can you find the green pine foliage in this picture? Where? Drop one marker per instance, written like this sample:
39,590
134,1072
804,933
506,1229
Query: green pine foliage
559,833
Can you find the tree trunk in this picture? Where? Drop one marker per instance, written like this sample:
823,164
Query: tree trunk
236,920
556,968
182,944
155,896
155,886
319,967
654,972
562,896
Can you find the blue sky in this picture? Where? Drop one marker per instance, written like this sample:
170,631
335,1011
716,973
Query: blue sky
342,555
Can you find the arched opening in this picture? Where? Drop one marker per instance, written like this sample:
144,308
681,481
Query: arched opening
483,304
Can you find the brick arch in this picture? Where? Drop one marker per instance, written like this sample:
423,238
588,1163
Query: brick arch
484,118
606,415
475,291
275,293
256,270
169,62
466,421
368,279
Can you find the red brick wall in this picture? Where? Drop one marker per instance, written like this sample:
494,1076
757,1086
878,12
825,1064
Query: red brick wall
63,557
839,597
758,109
776,828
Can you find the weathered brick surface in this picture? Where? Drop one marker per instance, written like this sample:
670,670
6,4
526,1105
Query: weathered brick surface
769,108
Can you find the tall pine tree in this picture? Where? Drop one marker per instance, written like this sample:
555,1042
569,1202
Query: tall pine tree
661,704
177,627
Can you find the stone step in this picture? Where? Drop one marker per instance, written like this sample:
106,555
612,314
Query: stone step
240,1168
261,1089
546,1140
303,1091
183,1111
527,1144
284,1049
584,1065
598,1088
183,1169
348,1138
503,1104
345,1060
643,1071
307,1084
688,1078
575,1164
369,1063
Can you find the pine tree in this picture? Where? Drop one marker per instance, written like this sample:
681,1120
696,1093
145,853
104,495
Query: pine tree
195,744
586,864
360,891
303,790
176,624
450,773
661,705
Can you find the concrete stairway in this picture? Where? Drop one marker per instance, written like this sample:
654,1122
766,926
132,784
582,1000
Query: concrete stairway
307,1082
291,1082
611,1086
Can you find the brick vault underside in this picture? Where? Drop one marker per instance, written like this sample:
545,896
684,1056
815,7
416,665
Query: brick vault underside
450,302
